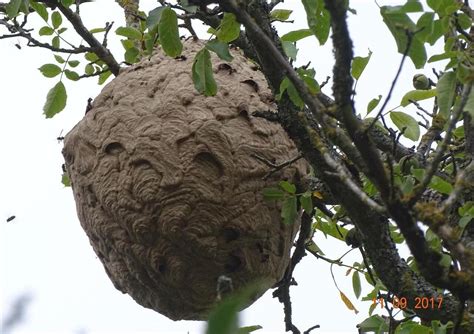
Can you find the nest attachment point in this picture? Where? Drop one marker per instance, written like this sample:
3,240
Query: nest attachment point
167,187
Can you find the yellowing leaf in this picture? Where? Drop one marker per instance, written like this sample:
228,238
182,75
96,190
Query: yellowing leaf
317,194
348,303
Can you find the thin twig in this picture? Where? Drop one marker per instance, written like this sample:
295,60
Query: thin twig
100,50
432,167
275,167
394,81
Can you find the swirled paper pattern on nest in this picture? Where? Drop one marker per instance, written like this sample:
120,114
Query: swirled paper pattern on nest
166,186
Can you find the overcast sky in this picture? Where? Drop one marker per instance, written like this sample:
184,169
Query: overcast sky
44,251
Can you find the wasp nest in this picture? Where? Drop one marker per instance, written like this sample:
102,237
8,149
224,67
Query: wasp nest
168,188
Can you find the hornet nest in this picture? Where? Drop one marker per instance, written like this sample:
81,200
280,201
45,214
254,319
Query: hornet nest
168,188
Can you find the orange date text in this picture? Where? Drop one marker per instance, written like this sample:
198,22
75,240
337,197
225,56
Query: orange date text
424,303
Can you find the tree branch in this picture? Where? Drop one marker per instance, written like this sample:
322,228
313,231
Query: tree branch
100,50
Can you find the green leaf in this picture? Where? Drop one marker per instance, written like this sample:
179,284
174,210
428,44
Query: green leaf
425,26
248,329
46,31
288,187
442,56
417,95
469,107
71,75
96,30
288,87
373,104
356,284
221,49
55,100
288,210
55,42
412,7
59,59
407,124
441,185
67,3
290,49
50,70
446,88
437,33
103,77
318,19
127,44
154,17
187,7
73,63
411,327
464,21
439,328
280,14
91,56
373,324
56,19
445,7
313,248
307,75
129,32
150,41
399,24
229,28
296,35
332,229
169,34
273,194
467,213
131,55
65,180
359,64
224,319
203,77
40,9
25,6
13,8
89,69
307,202
61,30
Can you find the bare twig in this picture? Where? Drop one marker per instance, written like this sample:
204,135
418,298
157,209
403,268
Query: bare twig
394,81
459,186
432,167
99,49
275,167
21,32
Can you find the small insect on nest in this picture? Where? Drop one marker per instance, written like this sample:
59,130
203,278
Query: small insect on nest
168,188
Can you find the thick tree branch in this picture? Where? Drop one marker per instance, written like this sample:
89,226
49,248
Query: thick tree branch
380,248
100,50
427,258
342,89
